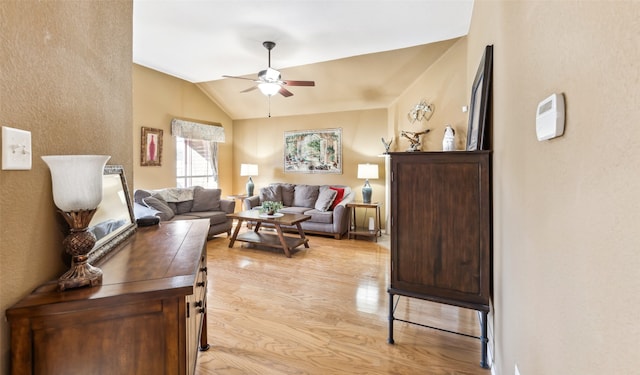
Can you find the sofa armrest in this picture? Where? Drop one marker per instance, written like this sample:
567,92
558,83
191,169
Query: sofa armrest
228,205
341,214
251,202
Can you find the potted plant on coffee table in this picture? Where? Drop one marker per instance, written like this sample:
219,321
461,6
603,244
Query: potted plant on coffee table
270,207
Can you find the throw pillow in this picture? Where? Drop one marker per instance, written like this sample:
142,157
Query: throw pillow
339,196
325,198
165,212
206,199
305,195
287,194
271,193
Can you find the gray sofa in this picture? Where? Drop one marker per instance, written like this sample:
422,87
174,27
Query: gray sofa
326,204
186,204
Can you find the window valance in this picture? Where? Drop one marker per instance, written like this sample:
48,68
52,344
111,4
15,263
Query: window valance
194,130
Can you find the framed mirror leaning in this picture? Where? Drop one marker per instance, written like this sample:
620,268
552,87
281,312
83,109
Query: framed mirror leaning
113,222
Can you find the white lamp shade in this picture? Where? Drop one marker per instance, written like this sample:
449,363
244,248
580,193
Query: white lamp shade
248,169
366,171
76,180
269,89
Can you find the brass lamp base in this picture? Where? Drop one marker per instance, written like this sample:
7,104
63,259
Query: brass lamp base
78,244
80,274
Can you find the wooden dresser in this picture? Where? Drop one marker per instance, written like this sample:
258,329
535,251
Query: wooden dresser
147,317
441,227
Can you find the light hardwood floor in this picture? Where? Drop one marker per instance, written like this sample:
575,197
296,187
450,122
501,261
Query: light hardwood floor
324,311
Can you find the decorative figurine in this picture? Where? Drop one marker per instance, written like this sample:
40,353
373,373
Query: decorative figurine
449,140
414,138
387,145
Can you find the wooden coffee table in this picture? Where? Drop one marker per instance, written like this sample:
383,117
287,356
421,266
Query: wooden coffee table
278,240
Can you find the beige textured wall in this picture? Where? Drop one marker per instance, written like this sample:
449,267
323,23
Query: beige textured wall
444,84
66,77
566,211
157,99
261,141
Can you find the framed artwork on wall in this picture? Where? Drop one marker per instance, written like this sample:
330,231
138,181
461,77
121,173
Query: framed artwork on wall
313,151
479,113
151,147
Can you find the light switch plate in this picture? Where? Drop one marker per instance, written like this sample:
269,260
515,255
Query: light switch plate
16,149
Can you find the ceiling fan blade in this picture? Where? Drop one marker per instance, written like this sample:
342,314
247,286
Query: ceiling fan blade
250,89
284,92
248,79
299,83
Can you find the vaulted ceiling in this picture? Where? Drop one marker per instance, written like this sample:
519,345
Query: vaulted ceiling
361,54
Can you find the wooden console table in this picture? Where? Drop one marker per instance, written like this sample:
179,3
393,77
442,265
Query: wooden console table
147,317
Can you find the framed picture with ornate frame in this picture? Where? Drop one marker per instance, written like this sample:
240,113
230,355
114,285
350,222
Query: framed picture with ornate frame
151,147
478,133
313,151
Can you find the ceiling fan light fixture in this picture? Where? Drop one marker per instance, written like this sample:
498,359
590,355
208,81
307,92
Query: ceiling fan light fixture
270,81
272,75
268,88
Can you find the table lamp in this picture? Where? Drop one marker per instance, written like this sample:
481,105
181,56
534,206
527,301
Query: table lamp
249,170
367,171
77,192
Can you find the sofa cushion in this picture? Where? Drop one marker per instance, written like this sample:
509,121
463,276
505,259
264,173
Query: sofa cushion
325,198
324,217
288,191
183,207
305,195
215,217
338,198
206,199
293,210
186,216
164,211
271,193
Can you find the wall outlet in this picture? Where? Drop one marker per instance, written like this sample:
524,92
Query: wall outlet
516,371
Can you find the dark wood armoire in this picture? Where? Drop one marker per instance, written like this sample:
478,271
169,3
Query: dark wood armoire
441,226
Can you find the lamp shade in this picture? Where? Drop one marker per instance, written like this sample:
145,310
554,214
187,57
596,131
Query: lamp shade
269,89
248,169
366,171
76,180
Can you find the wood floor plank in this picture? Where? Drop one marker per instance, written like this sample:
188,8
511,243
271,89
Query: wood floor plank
324,311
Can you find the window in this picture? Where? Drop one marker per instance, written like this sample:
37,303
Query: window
196,163
196,153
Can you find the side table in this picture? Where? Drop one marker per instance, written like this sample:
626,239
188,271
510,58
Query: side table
240,198
363,230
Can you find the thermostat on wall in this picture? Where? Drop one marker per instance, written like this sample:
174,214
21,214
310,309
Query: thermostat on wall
550,117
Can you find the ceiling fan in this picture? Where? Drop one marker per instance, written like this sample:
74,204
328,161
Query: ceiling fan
270,81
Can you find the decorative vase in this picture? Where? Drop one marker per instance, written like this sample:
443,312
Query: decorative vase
449,140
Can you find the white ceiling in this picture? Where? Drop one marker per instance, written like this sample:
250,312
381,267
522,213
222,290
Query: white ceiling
199,41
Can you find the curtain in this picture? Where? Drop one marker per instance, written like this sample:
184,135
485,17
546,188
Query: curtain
194,130
209,151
